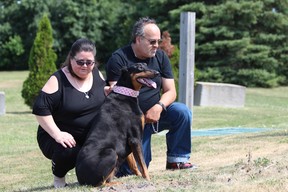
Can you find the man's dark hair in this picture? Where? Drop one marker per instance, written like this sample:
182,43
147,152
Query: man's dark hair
139,26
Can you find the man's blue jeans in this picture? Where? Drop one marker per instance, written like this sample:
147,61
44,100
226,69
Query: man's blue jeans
178,121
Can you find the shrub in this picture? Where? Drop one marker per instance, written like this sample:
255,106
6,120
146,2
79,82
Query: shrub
41,62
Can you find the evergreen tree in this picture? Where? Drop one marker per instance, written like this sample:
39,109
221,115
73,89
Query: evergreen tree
41,62
240,41
274,25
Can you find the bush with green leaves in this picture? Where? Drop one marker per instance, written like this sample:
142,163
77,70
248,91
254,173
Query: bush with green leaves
10,51
41,62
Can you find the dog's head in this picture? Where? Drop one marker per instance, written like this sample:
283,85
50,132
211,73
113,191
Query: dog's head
137,75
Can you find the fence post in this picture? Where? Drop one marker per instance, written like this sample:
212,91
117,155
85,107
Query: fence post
187,56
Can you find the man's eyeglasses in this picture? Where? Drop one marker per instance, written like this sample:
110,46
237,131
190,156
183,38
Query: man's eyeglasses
153,41
83,62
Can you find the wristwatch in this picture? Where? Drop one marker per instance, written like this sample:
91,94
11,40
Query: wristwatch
162,105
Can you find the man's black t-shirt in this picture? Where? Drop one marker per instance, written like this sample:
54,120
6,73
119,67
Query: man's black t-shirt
125,57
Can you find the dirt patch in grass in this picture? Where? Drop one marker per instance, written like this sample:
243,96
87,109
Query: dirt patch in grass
245,162
10,83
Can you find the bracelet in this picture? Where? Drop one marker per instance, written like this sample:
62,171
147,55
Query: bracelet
162,105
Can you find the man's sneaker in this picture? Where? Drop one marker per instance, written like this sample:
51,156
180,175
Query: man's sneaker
181,165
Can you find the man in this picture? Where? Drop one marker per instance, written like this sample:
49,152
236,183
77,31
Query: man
161,112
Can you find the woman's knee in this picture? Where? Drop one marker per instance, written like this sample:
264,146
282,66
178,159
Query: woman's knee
61,152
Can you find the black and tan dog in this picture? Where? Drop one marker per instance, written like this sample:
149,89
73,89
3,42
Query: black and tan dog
117,131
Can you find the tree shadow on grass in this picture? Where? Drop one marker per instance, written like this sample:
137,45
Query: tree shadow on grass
272,133
19,112
44,188
36,189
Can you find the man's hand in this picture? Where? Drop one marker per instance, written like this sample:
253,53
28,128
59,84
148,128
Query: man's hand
153,114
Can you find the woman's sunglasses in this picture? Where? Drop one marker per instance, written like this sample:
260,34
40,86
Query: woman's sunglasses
83,62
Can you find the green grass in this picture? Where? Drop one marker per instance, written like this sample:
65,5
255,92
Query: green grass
244,162
264,108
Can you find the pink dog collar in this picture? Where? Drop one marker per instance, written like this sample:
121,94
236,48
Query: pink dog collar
125,91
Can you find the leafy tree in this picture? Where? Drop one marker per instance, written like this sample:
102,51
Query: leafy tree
18,27
70,19
41,62
94,19
11,49
156,9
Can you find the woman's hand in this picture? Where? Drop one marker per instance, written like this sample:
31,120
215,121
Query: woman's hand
48,124
107,90
65,139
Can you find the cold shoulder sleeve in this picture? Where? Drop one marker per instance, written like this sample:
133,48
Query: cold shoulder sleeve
46,104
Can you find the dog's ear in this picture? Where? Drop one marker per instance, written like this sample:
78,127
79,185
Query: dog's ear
137,67
124,79
124,72
124,69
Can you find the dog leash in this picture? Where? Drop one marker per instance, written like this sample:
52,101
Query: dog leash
157,127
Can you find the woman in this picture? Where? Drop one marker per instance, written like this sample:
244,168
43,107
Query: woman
66,105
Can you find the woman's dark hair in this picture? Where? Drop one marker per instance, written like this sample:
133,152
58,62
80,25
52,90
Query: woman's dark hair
79,46
138,28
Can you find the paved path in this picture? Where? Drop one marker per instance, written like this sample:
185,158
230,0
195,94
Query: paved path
223,131
226,131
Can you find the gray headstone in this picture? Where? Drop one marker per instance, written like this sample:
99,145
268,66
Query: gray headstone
219,94
2,103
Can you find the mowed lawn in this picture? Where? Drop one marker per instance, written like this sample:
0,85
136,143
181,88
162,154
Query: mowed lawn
242,162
